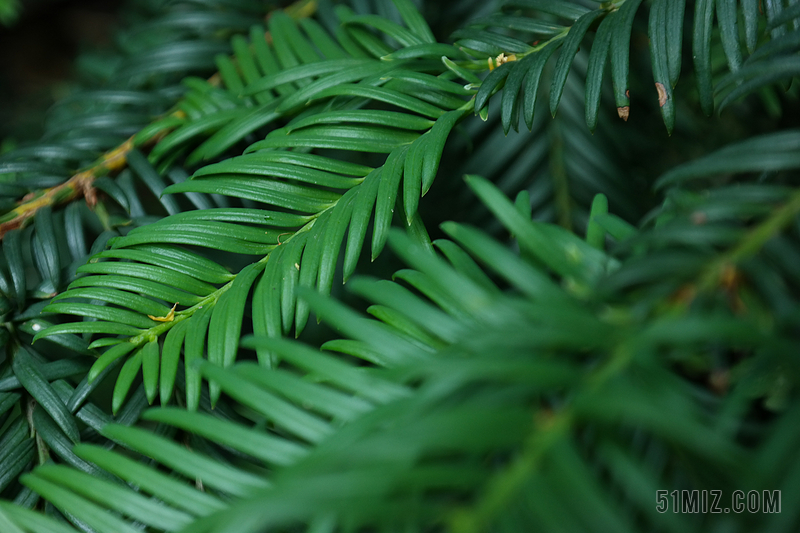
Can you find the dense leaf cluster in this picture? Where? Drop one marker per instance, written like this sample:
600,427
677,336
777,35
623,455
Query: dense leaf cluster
180,222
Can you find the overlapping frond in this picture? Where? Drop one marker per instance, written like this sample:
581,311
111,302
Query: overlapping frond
44,399
560,164
487,396
296,155
563,26
350,105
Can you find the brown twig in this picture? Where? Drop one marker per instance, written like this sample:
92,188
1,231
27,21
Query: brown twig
78,185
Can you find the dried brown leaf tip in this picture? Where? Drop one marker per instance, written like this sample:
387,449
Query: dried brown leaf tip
662,94
685,295
623,112
699,218
731,280
720,381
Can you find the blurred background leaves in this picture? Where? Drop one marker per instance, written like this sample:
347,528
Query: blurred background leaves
601,310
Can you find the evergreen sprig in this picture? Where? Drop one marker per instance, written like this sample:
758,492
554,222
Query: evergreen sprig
553,387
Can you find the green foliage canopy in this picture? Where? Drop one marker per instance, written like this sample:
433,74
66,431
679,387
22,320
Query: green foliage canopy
553,384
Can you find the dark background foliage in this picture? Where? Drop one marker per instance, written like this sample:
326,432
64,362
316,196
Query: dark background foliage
38,65
579,312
